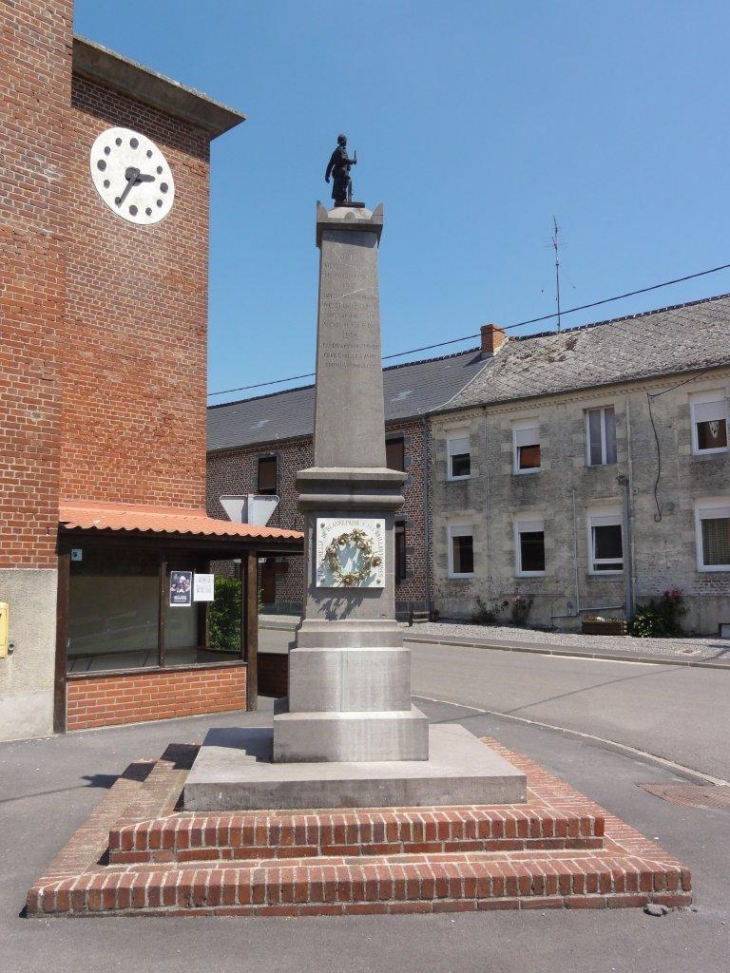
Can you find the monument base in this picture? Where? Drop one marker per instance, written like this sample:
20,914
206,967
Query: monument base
234,771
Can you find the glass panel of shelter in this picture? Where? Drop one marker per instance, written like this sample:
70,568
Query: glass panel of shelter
114,611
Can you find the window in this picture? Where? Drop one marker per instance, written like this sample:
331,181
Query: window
526,438
266,483
530,547
709,422
605,541
461,551
601,436
459,456
400,552
395,458
712,521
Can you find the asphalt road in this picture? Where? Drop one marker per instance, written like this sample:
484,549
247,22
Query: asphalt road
678,713
47,788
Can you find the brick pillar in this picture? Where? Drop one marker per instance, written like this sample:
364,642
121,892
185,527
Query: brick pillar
35,89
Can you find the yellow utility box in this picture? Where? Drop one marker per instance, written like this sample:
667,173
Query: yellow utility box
4,628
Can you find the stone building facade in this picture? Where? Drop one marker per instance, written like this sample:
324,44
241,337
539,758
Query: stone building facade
588,471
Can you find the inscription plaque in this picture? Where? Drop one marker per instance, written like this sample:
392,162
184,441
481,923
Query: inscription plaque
350,552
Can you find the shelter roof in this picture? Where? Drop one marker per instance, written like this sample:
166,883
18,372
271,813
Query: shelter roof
76,515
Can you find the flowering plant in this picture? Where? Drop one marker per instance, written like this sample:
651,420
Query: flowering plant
660,618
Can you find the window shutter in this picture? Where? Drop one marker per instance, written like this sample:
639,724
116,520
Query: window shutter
709,411
607,520
527,437
530,526
714,513
459,446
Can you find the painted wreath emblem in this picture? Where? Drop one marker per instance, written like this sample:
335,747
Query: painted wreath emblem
366,557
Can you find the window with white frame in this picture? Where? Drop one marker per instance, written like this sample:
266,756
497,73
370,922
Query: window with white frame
461,550
526,446
709,422
605,541
601,436
458,455
712,523
529,547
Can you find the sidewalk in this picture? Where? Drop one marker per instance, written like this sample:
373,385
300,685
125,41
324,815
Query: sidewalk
707,651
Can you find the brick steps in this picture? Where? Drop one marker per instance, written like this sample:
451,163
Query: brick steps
190,838
411,883
138,855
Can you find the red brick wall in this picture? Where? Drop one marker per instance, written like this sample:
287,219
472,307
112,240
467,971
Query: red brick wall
235,471
35,87
140,697
134,357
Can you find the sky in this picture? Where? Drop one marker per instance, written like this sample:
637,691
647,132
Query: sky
476,123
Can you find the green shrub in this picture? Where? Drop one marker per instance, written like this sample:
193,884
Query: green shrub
224,615
660,618
485,614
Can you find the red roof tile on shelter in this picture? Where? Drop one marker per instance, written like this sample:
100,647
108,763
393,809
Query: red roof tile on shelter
161,520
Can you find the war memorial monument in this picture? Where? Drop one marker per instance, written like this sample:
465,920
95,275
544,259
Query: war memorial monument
350,803
348,734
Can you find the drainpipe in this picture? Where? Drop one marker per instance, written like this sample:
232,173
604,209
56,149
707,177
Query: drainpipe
578,609
623,482
426,476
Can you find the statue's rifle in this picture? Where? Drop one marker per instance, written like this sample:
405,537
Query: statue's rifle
349,185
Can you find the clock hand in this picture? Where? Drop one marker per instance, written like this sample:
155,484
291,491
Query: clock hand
143,177
132,175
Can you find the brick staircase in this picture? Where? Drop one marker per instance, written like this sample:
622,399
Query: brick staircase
139,855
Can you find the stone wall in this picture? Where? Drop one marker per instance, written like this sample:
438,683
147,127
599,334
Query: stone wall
660,549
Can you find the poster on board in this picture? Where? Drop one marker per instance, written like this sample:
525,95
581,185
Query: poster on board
203,587
181,589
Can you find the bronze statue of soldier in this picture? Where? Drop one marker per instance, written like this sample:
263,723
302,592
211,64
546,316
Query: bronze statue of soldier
339,168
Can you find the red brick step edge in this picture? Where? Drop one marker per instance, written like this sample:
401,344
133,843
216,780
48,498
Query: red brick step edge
316,874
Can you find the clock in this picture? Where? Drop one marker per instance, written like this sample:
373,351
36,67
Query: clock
132,176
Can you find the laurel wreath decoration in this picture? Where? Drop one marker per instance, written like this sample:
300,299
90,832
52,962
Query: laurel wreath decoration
367,559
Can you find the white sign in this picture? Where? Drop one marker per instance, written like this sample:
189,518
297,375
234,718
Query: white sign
350,552
204,587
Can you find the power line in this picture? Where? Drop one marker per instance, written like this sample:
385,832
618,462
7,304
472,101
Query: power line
508,327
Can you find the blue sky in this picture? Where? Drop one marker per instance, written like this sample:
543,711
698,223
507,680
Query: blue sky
475,123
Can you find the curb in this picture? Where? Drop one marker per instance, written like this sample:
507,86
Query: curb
572,653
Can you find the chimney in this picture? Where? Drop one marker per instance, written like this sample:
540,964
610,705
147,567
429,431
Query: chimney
493,337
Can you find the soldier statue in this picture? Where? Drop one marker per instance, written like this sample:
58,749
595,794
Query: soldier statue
339,168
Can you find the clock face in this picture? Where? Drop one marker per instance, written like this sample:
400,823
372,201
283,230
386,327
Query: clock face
132,176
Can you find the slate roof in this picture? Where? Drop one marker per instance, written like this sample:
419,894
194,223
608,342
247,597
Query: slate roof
409,390
683,338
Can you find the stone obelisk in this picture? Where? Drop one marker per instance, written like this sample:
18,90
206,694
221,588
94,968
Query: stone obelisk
349,673
348,734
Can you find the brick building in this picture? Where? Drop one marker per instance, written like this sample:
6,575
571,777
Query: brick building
589,471
103,296
257,445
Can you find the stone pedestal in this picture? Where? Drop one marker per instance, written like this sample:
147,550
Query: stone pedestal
349,673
